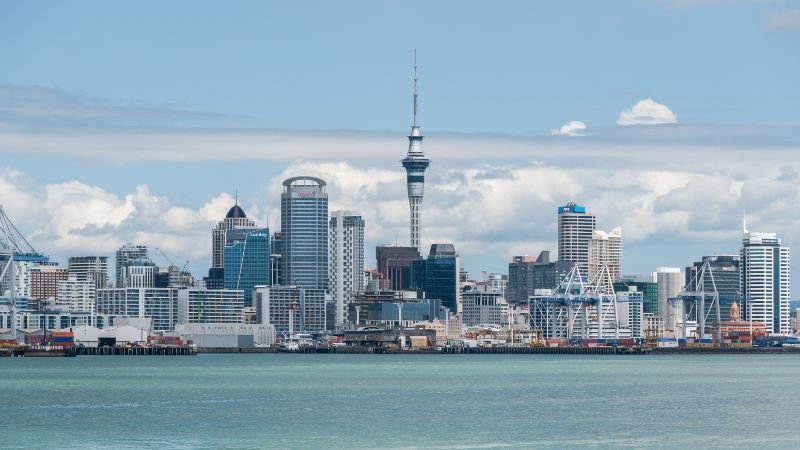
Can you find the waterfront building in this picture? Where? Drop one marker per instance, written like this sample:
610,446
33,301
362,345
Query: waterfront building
346,260
527,274
236,218
89,268
304,232
397,312
23,265
126,255
647,285
44,281
415,164
210,306
247,260
575,227
226,335
303,310
438,276
481,308
159,304
605,250
75,295
394,263
765,279
670,284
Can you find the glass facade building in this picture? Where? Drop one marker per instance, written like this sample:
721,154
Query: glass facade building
246,261
647,287
526,274
437,276
304,233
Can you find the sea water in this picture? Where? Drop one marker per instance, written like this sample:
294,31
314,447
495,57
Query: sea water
400,401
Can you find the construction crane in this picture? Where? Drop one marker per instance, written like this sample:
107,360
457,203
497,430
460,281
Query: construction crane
170,261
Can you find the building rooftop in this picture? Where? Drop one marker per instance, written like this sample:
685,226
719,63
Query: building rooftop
236,212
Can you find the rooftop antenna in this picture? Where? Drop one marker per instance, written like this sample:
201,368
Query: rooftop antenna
415,88
744,221
237,196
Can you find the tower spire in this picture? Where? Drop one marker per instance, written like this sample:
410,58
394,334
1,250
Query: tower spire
414,124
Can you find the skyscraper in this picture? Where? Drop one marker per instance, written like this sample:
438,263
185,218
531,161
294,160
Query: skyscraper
575,227
670,284
394,263
721,274
438,276
605,249
125,256
526,274
246,260
415,164
765,278
236,218
346,259
304,232
89,268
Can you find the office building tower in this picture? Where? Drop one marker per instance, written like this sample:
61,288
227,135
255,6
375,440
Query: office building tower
89,268
76,295
346,241
437,277
722,275
765,279
276,258
481,308
605,250
246,260
236,218
670,284
44,281
291,309
394,263
415,164
647,285
575,227
304,232
527,274
125,256
215,278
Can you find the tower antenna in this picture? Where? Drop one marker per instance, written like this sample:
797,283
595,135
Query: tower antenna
415,88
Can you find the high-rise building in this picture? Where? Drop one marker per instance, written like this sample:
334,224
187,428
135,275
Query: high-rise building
291,309
765,279
670,284
415,164
482,308
125,256
76,295
246,260
394,263
438,276
605,250
527,274
89,268
140,274
276,258
575,227
346,259
721,274
236,218
304,232
44,281
647,285
159,304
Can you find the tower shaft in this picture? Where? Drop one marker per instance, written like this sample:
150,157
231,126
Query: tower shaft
415,164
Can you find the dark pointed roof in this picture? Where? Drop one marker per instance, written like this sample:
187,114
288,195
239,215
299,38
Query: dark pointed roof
236,212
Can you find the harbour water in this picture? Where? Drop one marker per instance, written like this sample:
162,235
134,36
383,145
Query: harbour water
400,401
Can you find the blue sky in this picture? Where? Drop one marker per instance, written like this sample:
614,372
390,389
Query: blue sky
195,99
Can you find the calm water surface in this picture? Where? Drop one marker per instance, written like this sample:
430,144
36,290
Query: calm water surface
400,401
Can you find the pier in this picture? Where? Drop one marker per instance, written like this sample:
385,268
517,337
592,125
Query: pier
136,351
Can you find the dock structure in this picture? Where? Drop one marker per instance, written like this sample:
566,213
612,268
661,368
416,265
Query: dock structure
137,351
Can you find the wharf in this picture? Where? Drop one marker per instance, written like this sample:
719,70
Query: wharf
37,352
136,351
724,350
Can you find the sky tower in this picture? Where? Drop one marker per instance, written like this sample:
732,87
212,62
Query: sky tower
415,164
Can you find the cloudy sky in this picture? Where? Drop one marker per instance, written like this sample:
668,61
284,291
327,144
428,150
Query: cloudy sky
138,122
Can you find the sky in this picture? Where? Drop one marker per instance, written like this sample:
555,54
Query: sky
138,121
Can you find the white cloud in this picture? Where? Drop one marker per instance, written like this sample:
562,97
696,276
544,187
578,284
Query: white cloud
784,20
647,112
573,128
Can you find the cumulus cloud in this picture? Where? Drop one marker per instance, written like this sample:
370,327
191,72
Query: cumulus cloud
573,128
783,20
647,112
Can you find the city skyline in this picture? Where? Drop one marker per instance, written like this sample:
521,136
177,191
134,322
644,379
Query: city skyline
676,180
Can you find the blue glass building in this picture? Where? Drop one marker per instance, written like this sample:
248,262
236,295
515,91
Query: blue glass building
246,260
437,276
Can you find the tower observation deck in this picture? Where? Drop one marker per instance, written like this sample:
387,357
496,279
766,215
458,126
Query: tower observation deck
415,164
